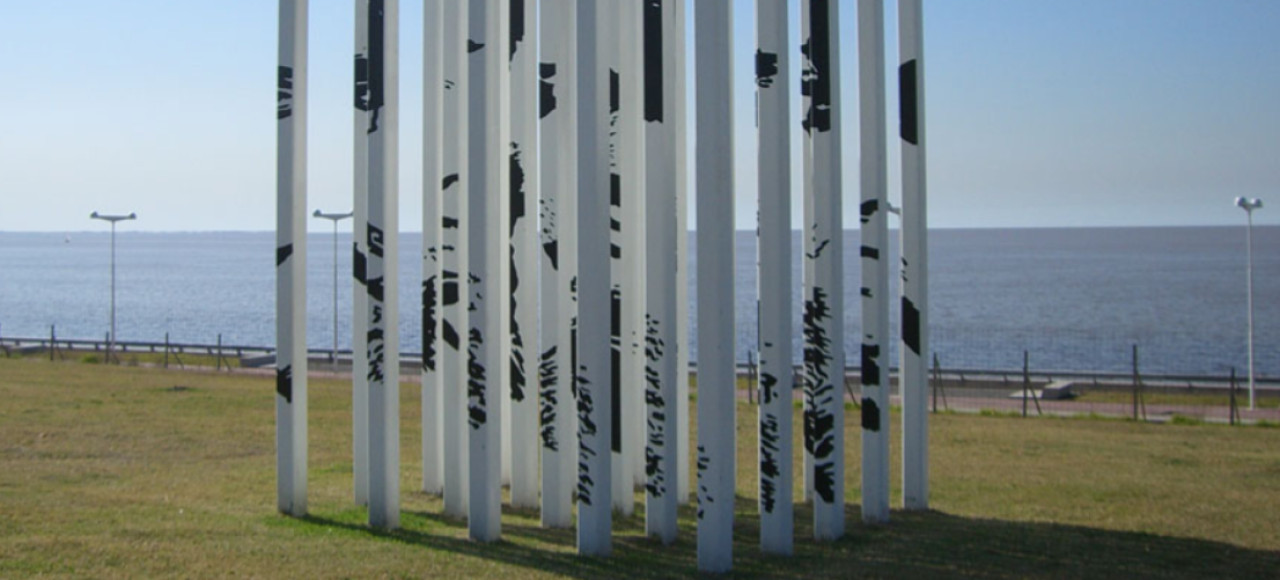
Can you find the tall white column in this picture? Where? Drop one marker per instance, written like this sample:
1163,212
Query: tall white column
915,260
773,90
455,287
621,290
680,112
875,263
291,260
632,131
823,234
659,28
433,91
489,352
594,374
557,110
382,279
523,437
713,22
359,259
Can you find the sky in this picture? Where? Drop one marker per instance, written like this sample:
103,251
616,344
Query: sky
1040,113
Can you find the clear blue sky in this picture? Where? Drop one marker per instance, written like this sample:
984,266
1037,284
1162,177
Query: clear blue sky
1041,112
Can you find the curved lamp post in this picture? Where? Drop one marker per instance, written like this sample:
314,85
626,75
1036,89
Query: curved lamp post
111,341
1248,205
335,218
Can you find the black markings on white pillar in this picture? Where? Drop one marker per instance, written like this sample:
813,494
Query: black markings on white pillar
382,235
823,267
557,204
594,366
915,263
454,245
774,280
488,350
521,440
875,270
291,260
359,263
660,296
432,221
716,375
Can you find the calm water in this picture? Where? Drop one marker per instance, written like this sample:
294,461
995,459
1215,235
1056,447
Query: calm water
1077,299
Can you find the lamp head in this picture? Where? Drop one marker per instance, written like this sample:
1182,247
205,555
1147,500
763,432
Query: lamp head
1248,204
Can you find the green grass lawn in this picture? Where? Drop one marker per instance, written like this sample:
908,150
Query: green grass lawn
118,471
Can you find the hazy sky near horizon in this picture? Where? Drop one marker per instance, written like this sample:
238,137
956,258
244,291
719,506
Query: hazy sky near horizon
1040,112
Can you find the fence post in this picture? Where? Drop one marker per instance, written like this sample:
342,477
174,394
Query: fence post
1136,382
1232,410
106,338
166,350
217,361
53,341
936,380
1026,380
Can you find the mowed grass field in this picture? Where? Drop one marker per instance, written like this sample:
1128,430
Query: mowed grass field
141,472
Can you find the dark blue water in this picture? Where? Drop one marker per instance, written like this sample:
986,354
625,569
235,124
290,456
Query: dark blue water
1076,299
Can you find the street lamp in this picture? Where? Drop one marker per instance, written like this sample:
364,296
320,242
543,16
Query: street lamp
111,341
335,218
1248,205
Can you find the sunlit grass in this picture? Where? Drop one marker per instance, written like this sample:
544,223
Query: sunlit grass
121,471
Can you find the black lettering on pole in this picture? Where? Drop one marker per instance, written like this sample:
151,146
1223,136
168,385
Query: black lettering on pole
615,358
429,325
547,89
377,61
284,92
868,209
870,414
815,77
374,240
516,31
910,325
284,382
653,60
359,266
362,83
908,102
766,68
283,253
871,365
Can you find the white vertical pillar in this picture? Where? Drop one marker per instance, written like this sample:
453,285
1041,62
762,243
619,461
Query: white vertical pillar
823,267
594,374
621,293
557,111
433,90
716,373
489,352
915,260
382,278
681,118
291,260
658,18
773,90
632,164
523,437
359,259
455,287
875,263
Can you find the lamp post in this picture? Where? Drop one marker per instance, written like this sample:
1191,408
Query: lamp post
335,218
1248,205
111,342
